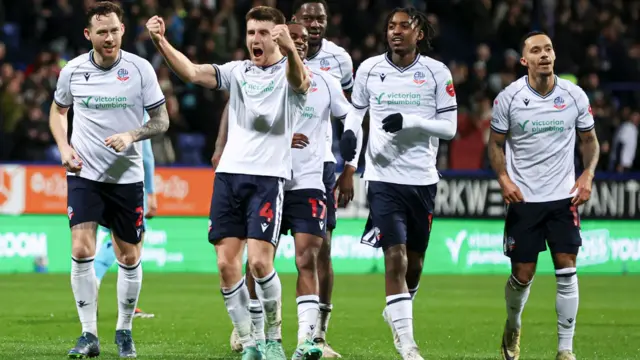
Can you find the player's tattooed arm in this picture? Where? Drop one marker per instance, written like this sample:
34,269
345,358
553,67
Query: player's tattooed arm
590,150
496,154
157,124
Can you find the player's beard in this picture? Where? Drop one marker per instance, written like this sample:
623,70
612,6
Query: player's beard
108,52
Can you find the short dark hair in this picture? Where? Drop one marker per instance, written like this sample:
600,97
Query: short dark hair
266,13
527,36
422,23
103,8
299,3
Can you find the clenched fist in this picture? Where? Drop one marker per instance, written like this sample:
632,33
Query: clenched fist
280,34
156,28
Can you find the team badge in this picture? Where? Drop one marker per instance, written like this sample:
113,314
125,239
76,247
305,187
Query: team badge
324,65
419,78
558,103
123,75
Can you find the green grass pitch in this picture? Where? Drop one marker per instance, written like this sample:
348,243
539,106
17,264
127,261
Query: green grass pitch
455,317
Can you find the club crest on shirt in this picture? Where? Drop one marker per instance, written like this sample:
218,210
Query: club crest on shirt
324,65
419,78
123,75
313,87
558,103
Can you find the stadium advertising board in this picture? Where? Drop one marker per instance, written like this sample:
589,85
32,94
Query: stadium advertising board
43,190
179,244
187,192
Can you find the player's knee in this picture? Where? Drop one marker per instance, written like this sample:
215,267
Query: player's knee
83,245
261,265
128,259
523,273
395,259
306,261
228,265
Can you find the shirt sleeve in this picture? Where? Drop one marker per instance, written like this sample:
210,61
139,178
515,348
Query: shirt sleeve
500,114
224,74
445,91
346,67
360,93
585,121
152,95
340,106
62,95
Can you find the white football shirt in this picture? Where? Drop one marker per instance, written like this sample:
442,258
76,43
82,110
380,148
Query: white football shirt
423,89
263,109
333,60
541,136
108,101
324,97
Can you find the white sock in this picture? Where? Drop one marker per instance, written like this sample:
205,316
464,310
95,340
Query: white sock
516,295
129,285
257,318
236,299
567,299
400,310
413,292
269,292
308,309
85,292
323,321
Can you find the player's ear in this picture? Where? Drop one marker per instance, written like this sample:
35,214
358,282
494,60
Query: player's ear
523,61
87,33
293,19
122,28
420,35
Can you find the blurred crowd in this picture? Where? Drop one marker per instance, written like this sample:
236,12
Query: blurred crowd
597,44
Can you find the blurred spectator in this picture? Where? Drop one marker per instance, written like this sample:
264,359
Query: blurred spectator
625,144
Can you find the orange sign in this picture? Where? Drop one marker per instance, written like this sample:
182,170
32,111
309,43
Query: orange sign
26,189
46,190
184,191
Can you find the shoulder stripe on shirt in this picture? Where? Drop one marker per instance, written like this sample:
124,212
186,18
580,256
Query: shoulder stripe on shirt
156,104
447,109
61,105
498,130
218,78
587,129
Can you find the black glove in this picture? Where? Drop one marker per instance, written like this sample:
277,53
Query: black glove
392,123
348,145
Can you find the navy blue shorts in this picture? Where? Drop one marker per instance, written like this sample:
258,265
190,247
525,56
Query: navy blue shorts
528,225
305,211
329,180
118,207
246,207
399,214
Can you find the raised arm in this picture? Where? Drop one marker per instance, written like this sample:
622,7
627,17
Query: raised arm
296,73
200,74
